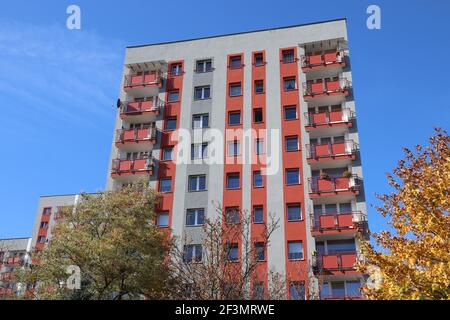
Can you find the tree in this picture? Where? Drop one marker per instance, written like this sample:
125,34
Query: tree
414,262
114,241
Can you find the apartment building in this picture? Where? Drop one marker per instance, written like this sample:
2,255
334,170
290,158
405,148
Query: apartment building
275,109
14,254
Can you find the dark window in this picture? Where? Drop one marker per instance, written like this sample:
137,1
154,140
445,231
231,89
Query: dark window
290,113
297,291
167,154
165,185
193,252
257,115
47,211
200,121
197,183
295,250
233,181
259,251
232,215
233,252
341,246
258,214
199,151
259,146
41,239
233,148
173,96
288,56
201,93
171,124
195,217
235,89
292,176
294,212
258,291
235,62
289,84
259,86
257,179
234,118
291,143
259,59
204,65
176,69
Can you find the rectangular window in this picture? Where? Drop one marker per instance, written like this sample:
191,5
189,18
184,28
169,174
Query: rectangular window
292,176
197,183
171,124
41,239
259,146
258,214
233,252
258,291
165,185
162,219
260,251
345,207
235,62
257,179
47,211
335,246
200,121
199,151
291,143
44,225
233,148
295,250
176,69
257,115
173,96
193,252
234,118
259,86
232,215
290,113
204,66
288,56
167,154
297,291
235,89
201,93
195,217
258,59
233,181
289,84
294,212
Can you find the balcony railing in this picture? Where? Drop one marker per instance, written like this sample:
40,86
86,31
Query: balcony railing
331,150
6,291
132,166
337,221
136,135
323,59
328,117
14,260
6,276
326,86
136,107
143,79
334,185
335,261
356,296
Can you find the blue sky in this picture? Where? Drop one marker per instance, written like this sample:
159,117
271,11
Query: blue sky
58,87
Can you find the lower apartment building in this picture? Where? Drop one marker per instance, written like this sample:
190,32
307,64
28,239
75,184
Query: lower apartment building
262,122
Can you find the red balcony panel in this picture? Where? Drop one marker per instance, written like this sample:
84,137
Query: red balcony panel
331,151
142,79
336,116
128,135
142,134
348,260
342,183
323,60
325,87
328,119
325,184
317,88
333,85
130,167
330,57
333,186
319,117
150,77
140,164
330,261
336,223
315,59
338,148
126,165
327,221
345,220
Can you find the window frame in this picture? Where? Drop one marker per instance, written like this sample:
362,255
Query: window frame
300,216
201,116
203,90
290,78
230,113
198,178
163,213
290,107
196,212
286,138
301,252
298,176
164,153
235,84
230,174
204,68
169,120
258,207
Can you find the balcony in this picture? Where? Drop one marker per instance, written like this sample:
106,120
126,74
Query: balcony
6,291
328,119
144,83
140,109
6,276
132,139
325,87
131,167
331,151
331,58
342,297
337,223
14,260
333,186
335,263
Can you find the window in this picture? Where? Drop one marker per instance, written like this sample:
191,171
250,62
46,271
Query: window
176,69
204,66
167,154
234,148
295,250
235,62
289,84
137,155
165,185
257,115
259,251
162,219
259,146
258,59
201,93
199,151
297,291
192,252
294,212
341,246
291,143
345,207
290,113
257,179
232,215
233,252
41,239
258,291
173,96
233,181
200,121
292,176
259,86
44,225
171,124
353,288
235,89
197,183
288,56
258,214
234,118
195,217
47,211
